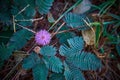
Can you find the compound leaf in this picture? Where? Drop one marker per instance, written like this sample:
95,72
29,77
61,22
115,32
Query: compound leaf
48,50
84,61
31,61
53,63
65,35
75,45
19,39
40,72
44,6
5,52
75,20
56,76
72,73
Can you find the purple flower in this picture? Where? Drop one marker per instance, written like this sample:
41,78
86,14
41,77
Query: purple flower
43,37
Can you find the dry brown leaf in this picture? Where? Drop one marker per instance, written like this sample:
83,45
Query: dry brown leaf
89,36
19,55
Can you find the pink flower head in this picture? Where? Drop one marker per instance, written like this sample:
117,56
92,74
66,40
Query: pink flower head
43,37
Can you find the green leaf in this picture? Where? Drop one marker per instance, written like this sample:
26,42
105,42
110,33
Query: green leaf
5,52
30,12
21,4
48,50
97,35
32,60
97,32
112,39
53,63
84,61
65,35
76,44
40,72
56,76
44,6
72,73
75,20
78,58
19,39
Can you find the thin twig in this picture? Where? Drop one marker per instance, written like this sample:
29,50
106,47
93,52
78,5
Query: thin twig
12,70
14,23
5,70
105,10
34,44
17,75
69,30
59,28
22,10
89,25
26,28
65,7
113,71
32,20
